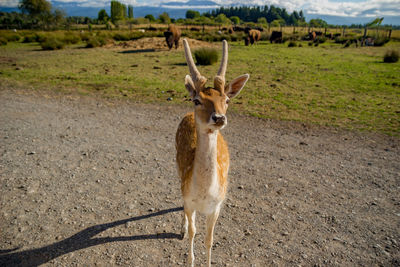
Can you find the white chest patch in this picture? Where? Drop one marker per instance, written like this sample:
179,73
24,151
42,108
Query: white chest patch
205,193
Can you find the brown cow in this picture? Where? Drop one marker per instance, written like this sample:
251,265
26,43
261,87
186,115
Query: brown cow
172,36
252,37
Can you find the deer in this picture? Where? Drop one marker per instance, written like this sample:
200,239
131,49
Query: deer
202,154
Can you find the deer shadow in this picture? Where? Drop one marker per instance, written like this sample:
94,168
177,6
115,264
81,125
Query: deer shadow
81,240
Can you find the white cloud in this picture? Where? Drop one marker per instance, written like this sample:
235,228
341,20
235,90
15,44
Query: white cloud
9,3
347,8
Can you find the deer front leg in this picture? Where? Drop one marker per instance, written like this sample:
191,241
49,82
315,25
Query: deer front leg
184,229
211,220
191,216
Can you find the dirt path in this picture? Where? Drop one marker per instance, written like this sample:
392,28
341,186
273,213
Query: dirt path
88,182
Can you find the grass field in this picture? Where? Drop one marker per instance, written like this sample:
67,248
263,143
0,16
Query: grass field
328,85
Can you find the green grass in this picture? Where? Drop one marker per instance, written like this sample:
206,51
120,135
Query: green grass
328,85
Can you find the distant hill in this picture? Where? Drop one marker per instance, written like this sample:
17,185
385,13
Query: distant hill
178,10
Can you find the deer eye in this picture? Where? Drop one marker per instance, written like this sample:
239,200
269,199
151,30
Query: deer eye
196,102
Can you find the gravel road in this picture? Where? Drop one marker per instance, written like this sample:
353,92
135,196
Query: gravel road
87,181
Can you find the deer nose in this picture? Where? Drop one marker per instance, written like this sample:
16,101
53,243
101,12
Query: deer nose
217,118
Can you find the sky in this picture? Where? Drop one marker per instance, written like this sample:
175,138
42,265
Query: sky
346,8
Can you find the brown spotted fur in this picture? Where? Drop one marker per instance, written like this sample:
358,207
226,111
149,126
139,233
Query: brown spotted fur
185,143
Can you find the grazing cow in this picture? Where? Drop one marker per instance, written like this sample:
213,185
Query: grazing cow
252,37
172,36
276,37
238,29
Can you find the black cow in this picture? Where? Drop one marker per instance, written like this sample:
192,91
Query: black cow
276,37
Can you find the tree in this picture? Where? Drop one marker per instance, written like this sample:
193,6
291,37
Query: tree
58,17
318,23
222,19
35,7
192,14
164,18
102,17
130,12
262,20
118,11
235,20
150,17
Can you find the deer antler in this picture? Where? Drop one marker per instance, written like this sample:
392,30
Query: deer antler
198,80
219,80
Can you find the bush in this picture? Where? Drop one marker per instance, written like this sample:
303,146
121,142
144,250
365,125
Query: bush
292,44
85,36
3,41
121,37
340,40
310,43
391,56
31,38
206,56
71,38
12,37
320,40
52,43
95,41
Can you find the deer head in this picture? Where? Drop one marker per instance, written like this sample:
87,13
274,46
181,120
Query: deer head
211,103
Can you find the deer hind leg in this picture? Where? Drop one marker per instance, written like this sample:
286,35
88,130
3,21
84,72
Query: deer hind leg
191,217
211,220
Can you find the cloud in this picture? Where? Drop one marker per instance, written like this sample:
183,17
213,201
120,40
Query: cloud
346,8
9,3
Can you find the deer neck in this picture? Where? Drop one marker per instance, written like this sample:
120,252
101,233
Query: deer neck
205,164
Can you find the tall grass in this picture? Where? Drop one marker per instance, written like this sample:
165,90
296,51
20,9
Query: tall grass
206,56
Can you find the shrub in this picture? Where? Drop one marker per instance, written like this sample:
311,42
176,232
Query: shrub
292,44
391,56
320,39
41,37
85,36
310,43
3,41
121,37
71,38
52,43
340,40
29,38
13,37
206,56
95,41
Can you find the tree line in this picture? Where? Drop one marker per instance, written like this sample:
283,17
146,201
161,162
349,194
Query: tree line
259,13
38,14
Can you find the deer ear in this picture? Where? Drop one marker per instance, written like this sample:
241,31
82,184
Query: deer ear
234,86
190,86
